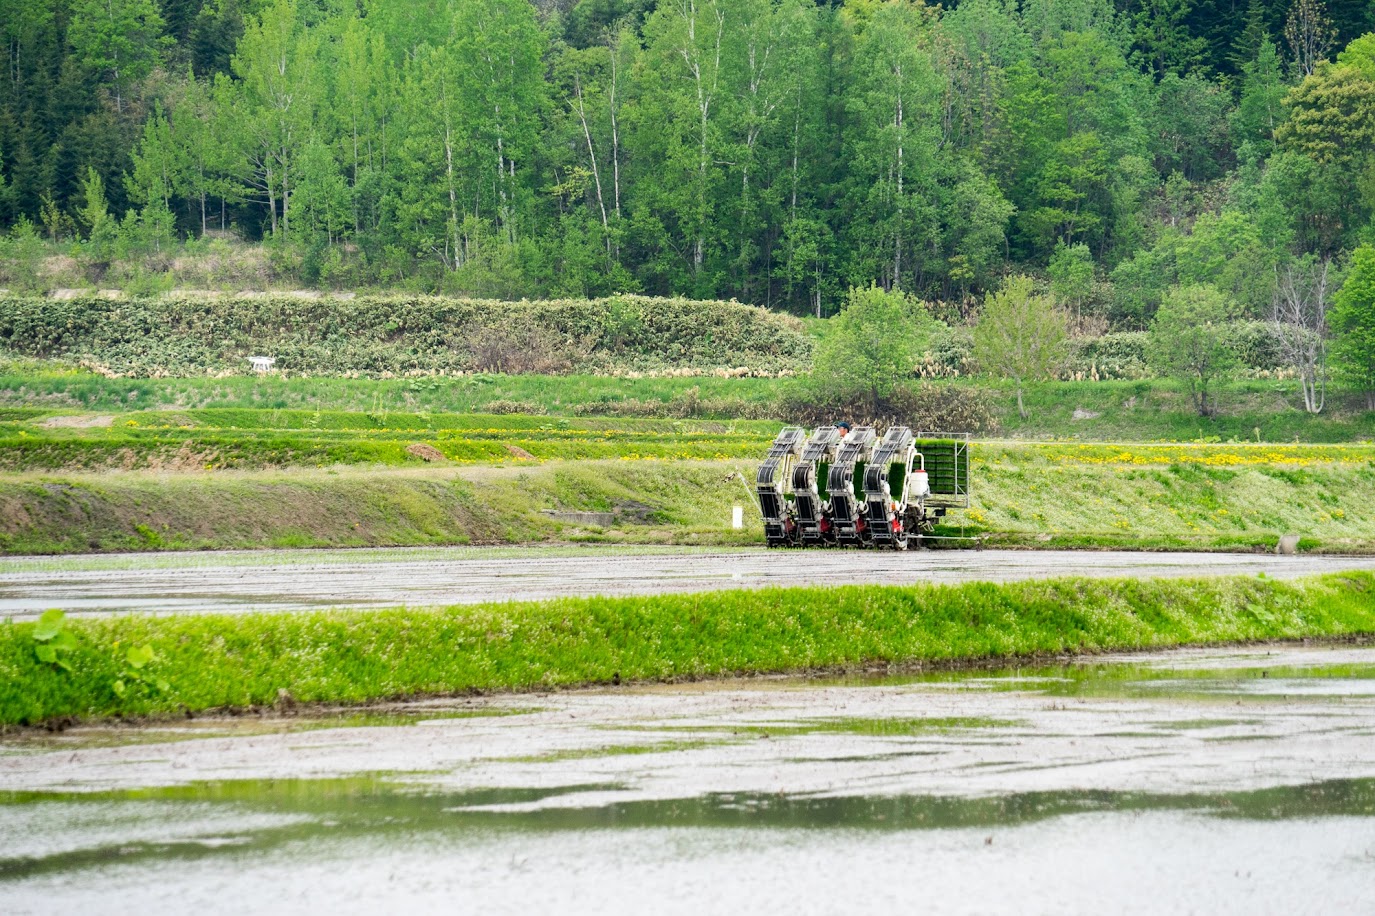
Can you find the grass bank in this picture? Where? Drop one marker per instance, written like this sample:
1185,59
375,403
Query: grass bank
629,502
144,665
217,438
1190,497
1108,411
1210,497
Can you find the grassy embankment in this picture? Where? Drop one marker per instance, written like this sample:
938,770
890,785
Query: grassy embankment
1205,497
647,502
218,439
170,665
1109,411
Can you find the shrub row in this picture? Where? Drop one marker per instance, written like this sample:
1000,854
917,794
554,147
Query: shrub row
1116,355
376,336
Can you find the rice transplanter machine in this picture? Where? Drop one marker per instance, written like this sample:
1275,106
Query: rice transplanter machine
854,489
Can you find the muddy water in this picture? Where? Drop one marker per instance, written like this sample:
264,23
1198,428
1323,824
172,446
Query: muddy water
295,580
1237,781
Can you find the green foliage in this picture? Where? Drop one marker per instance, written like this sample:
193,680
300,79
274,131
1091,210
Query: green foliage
1021,335
1353,325
413,335
245,660
872,345
137,672
1260,110
1113,356
101,230
1071,273
121,40
53,640
1190,341
774,151
1332,123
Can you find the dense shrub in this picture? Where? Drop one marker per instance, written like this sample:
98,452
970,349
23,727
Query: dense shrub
932,408
1257,346
950,353
399,335
1120,355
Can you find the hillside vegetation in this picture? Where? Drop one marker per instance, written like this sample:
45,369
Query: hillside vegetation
774,151
385,336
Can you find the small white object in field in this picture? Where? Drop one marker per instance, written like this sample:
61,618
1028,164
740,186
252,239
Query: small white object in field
737,517
262,363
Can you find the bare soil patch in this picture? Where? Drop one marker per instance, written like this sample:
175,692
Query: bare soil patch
78,422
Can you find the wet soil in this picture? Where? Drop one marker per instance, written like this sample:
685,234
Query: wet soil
296,580
1235,781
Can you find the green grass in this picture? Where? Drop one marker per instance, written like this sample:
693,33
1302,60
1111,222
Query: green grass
649,501
1156,410
239,439
1128,411
42,385
1174,496
215,661
1209,497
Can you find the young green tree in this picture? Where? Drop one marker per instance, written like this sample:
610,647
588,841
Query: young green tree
157,168
1247,42
1071,273
1189,341
121,40
213,155
873,344
1353,325
1021,335
276,98
1260,109
101,229
323,202
364,95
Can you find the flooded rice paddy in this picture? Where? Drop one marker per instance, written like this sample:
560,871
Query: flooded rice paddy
276,580
1225,781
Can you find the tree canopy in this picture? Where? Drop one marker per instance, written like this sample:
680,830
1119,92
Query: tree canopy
776,151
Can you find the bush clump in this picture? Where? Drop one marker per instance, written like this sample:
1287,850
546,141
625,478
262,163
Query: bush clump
923,407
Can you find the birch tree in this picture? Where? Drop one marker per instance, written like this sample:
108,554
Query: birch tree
679,112
276,102
1299,319
897,129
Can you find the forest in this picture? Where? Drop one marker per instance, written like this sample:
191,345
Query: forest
778,152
